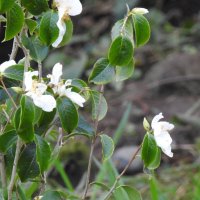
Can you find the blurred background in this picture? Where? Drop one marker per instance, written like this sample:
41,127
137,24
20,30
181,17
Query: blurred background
166,79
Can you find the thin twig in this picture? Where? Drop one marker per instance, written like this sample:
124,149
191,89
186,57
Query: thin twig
40,70
14,49
96,123
14,169
3,171
121,174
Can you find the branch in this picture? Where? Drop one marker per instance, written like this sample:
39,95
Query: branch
3,171
14,49
122,173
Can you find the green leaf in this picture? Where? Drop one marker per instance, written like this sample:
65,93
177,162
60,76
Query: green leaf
102,72
7,140
156,162
99,105
121,51
68,34
48,28
149,150
68,114
122,27
9,159
15,72
142,29
15,21
28,167
107,146
46,118
25,128
35,7
38,51
43,153
6,5
84,127
32,24
126,192
51,195
125,72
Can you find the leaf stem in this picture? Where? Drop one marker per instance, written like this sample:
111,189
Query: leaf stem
14,49
14,169
122,173
96,123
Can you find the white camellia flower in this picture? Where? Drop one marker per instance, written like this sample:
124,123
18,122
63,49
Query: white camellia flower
140,11
61,89
65,8
161,134
36,91
6,64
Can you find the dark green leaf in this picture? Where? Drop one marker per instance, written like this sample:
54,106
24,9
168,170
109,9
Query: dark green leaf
25,128
38,51
43,153
84,127
35,7
102,72
31,25
99,105
121,51
124,72
6,5
15,21
107,146
48,28
51,195
15,72
142,29
46,118
7,140
156,162
68,114
9,159
149,150
124,28
28,167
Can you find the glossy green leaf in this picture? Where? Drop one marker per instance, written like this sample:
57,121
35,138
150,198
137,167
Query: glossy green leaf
84,127
99,105
52,195
156,162
122,27
43,153
121,51
35,7
38,51
9,159
68,114
28,167
24,126
15,72
126,192
68,34
149,150
7,140
102,73
32,24
46,118
125,72
107,146
15,21
6,5
141,29
48,28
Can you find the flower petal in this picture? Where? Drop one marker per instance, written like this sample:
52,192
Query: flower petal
167,151
6,64
75,7
75,97
140,11
41,88
28,79
45,102
163,139
56,74
156,120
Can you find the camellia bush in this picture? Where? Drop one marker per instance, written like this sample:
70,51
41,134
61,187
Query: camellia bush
39,114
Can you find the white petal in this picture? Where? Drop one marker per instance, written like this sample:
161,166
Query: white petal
156,120
163,139
75,97
75,7
168,151
28,79
6,64
140,11
68,82
166,126
41,88
56,74
61,26
45,102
